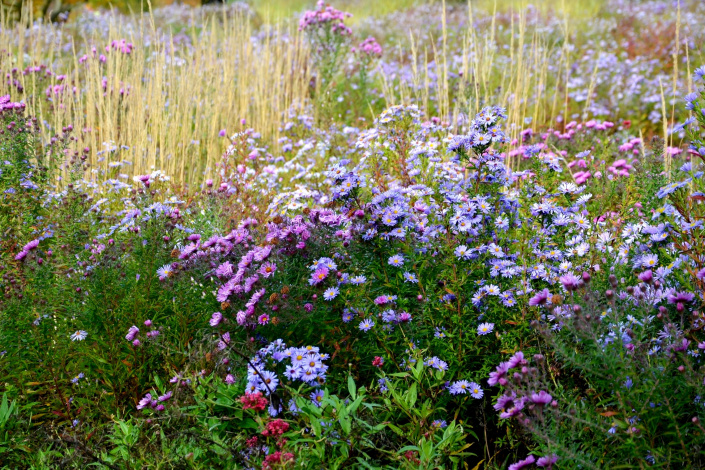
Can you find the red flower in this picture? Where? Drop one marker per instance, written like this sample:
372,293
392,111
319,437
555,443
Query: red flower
254,401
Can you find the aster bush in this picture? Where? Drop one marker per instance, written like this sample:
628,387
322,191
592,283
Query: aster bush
416,292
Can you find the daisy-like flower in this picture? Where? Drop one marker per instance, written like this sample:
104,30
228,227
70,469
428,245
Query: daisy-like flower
649,261
358,280
460,387
492,290
269,381
476,391
462,252
267,269
366,325
485,328
410,277
318,276
396,260
292,373
317,397
165,272
331,293
495,251
79,335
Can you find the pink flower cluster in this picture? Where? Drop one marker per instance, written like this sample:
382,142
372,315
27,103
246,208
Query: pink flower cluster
120,45
279,459
369,47
133,332
276,428
323,17
253,401
6,103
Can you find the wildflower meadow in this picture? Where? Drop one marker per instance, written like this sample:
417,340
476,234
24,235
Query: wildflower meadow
392,234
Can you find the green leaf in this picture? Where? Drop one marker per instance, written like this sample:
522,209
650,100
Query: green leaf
412,395
351,387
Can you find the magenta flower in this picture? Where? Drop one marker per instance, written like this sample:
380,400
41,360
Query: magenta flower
267,269
547,461
31,245
145,402
677,297
540,298
132,333
216,318
523,463
569,281
509,405
515,360
318,276
647,276
542,398
498,375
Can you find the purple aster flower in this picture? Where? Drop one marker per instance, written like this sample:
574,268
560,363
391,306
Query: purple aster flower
318,276
569,281
647,276
331,293
165,271
516,359
509,405
396,260
269,381
165,397
31,245
523,463
216,318
485,328
366,325
267,269
540,298
460,387
317,397
498,376
476,391
680,297
542,398
547,461
132,333
145,402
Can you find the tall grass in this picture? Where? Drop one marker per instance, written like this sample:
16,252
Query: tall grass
174,100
